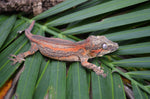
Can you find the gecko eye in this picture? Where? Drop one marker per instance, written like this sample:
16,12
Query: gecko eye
104,46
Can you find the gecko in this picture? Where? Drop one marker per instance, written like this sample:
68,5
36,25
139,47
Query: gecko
66,50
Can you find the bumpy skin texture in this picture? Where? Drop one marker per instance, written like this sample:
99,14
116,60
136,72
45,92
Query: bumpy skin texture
55,48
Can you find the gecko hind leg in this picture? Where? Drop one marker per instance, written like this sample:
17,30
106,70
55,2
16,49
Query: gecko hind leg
97,70
20,57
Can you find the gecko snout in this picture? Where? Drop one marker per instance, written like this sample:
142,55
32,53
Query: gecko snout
114,47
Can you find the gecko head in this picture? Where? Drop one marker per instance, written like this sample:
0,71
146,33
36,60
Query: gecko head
101,45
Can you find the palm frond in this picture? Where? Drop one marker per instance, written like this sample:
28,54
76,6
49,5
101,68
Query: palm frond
124,21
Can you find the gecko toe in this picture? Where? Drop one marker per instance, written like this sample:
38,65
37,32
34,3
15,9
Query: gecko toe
100,72
21,59
99,68
12,55
15,59
11,59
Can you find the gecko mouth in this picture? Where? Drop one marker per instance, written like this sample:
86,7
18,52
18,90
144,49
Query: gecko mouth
98,54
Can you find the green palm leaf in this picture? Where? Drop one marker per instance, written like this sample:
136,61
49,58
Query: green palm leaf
123,21
112,22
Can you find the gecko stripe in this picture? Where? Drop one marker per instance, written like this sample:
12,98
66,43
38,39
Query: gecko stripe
54,53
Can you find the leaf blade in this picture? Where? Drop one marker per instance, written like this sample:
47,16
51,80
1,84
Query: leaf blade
138,94
59,8
129,34
140,74
77,87
42,84
118,87
57,85
28,78
5,28
140,48
6,69
134,62
112,22
93,11
99,90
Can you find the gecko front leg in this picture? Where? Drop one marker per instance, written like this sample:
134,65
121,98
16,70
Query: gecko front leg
20,57
97,70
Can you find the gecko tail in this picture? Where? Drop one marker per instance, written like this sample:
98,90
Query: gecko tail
31,26
28,30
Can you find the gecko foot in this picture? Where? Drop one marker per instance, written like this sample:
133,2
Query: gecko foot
19,58
99,71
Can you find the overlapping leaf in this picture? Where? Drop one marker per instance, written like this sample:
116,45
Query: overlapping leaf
49,79
93,11
59,8
5,28
111,22
134,62
103,87
77,86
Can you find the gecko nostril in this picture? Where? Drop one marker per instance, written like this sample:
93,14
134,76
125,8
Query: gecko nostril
114,48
